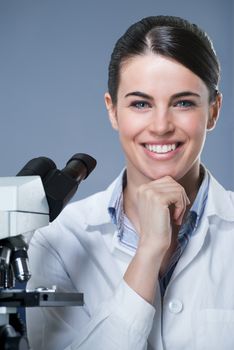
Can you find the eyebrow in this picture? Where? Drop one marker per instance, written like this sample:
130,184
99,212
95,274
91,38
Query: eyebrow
184,94
139,94
148,97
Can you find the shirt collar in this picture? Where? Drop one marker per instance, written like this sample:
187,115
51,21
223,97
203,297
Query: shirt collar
115,207
201,197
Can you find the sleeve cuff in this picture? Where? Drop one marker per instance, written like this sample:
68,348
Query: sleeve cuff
132,308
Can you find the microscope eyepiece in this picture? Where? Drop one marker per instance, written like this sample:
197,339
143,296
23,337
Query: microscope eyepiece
40,166
80,166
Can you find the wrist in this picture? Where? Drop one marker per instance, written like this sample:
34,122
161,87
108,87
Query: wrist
142,273
153,250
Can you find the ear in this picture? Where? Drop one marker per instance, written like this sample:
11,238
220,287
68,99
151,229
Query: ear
111,109
214,110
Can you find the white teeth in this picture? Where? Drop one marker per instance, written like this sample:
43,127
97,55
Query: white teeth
161,148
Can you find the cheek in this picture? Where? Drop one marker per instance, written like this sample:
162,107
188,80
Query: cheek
130,127
195,127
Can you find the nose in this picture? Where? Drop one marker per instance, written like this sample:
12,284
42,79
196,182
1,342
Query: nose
161,122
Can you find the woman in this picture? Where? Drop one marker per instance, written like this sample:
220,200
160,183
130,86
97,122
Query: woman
153,253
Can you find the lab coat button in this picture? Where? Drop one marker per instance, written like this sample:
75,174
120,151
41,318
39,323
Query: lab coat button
175,306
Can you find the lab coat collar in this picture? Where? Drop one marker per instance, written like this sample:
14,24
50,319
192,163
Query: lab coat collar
220,202
101,216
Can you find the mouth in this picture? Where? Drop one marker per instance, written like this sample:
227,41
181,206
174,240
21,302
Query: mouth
161,149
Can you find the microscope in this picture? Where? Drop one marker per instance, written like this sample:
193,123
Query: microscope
28,201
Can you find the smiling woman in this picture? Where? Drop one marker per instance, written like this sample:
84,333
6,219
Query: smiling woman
136,249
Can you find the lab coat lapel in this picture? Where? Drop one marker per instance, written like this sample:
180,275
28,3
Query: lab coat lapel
192,249
220,205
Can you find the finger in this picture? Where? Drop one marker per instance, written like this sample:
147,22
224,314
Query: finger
181,209
179,214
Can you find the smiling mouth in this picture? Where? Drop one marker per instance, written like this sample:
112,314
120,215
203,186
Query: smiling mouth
161,148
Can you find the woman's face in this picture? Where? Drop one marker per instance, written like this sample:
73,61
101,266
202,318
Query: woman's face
162,114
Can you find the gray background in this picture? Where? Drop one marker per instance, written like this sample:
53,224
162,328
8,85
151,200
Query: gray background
53,74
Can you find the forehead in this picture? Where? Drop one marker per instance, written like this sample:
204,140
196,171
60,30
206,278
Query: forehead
155,74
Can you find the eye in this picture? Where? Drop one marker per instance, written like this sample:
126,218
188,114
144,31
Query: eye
140,104
184,104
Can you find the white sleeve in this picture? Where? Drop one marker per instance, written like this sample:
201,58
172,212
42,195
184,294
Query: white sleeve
124,322
121,322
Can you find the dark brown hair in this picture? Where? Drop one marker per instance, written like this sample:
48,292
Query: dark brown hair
171,37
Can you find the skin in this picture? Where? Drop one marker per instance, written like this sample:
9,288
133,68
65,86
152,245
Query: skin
159,102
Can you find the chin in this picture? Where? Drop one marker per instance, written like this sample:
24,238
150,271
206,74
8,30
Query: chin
162,172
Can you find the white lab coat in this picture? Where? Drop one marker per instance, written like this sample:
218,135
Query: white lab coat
80,251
